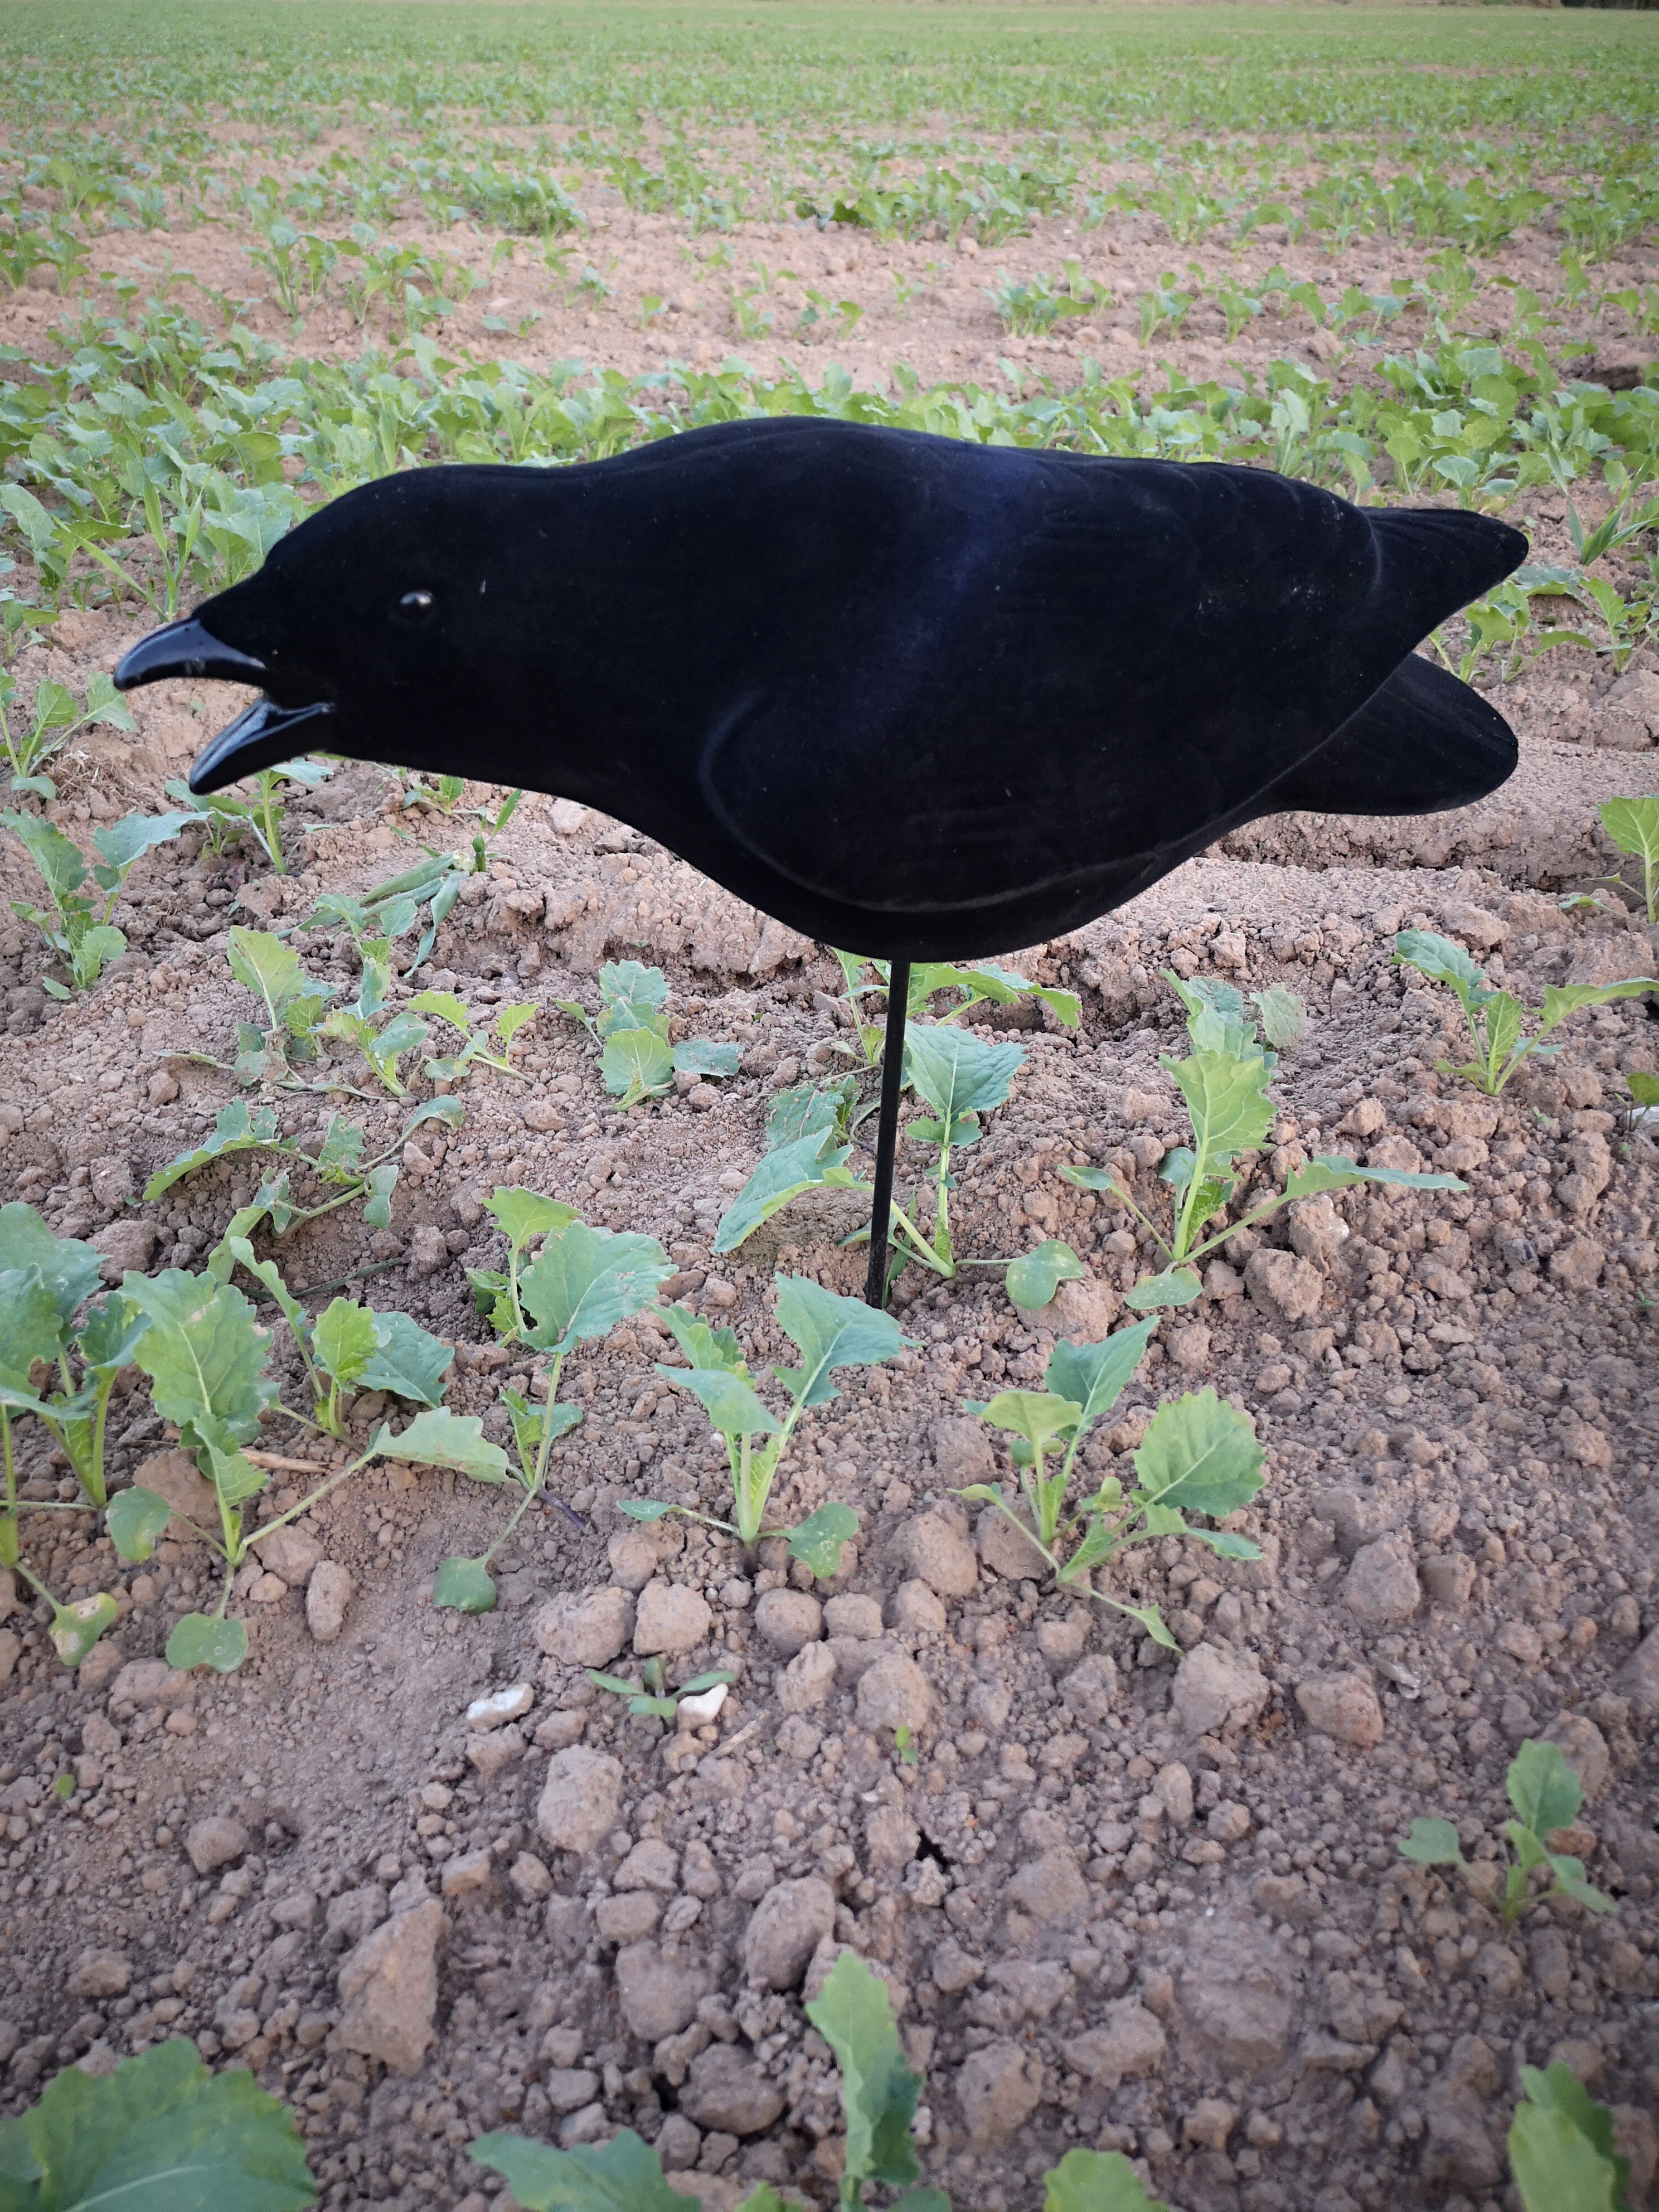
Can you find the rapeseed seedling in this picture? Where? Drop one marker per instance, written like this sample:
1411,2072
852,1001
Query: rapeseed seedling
1496,1019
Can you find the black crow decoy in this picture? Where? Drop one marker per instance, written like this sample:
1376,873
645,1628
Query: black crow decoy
918,698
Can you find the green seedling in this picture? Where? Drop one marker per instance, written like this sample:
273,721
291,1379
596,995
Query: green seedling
1495,1018
225,818
347,1348
78,925
1546,1794
581,1283
1628,622
981,985
636,1060
340,1163
206,1359
1031,310
393,909
45,1281
904,1744
651,1694
960,1077
1633,825
292,1005
159,2131
55,717
807,1132
830,1333
1224,1083
1561,2148
879,2092
498,1028
1163,307
1198,1455
382,1038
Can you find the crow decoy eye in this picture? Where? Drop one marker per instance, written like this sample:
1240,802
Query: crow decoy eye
414,610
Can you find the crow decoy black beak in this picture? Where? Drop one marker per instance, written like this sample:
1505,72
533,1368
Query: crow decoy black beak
185,648
263,736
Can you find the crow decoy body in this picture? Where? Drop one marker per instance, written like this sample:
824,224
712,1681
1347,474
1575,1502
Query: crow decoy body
917,698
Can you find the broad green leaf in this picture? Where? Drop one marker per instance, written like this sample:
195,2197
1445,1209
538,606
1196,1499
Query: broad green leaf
1215,1017
878,2091
1039,1416
830,1332
1561,1000
340,1155
1094,1374
234,1130
1091,1178
623,2175
730,1404
121,843
201,1639
463,1586
699,1056
818,1539
380,1183
805,1163
1175,1286
704,1346
1560,2146
509,1020
644,1509
70,1270
1442,961
441,1438
344,1339
957,1072
1569,1876
1643,1089
446,1006
269,967
136,1521
1335,1172
1200,1456
160,2134
1032,1279
635,1064
1283,1015
30,1327
76,1627
765,2198
1633,826
630,995
1097,2181
522,1214
1227,1098
1431,1843
108,1334
405,1360
62,866
204,1355
1543,1789
584,1280
234,1476
267,1273
808,1109
94,951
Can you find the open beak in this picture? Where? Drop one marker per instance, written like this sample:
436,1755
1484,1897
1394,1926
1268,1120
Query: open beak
263,736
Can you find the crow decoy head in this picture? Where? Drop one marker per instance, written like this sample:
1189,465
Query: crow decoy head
915,697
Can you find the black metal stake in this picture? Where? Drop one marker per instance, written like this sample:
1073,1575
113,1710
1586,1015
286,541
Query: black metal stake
892,1078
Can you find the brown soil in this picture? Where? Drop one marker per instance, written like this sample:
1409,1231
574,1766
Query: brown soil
1108,1915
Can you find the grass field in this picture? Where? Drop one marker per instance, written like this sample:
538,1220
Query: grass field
254,255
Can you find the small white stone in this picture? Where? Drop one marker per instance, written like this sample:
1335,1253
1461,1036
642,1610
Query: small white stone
699,1712
498,1705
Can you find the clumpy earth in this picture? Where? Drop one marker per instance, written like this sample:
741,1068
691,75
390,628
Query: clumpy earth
1120,1896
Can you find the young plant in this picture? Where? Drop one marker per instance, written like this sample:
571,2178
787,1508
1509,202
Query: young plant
1633,826
293,1004
160,2130
807,1132
393,908
45,1281
1546,1794
1560,2146
499,1029
1495,1018
651,1695
830,1332
206,1358
226,818
380,1036
960,1077
984,983
1224,1083
580,1284
77,925
636,1060
1198,1456
879,2092
347,1348
55,718
339,1164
